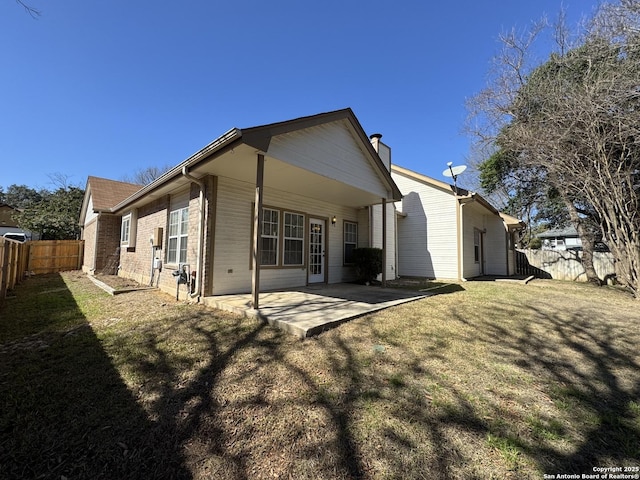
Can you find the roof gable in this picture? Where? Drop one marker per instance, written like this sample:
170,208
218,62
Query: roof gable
463,194
418,177
260,138
107,193
101,194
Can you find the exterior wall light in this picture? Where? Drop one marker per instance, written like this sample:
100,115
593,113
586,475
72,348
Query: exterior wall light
334,220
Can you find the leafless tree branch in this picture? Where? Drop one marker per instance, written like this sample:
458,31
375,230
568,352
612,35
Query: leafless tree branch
34,12
575,117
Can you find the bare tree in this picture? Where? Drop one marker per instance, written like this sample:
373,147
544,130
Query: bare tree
144,176
575,119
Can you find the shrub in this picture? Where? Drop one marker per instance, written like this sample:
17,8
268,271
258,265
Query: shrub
368,263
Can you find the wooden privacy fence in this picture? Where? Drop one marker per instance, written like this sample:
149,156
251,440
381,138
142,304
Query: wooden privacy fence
13,265
17,260
562,264
52,256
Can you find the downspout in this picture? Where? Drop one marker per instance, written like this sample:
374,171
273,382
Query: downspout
201,223
459,236
95,246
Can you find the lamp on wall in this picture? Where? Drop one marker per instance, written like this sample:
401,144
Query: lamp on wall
334,220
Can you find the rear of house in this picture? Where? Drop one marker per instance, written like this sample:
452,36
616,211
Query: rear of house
276,206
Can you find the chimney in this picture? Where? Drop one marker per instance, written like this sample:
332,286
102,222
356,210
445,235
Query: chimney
384,152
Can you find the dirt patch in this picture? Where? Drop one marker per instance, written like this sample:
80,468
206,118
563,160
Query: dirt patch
115,285
118,283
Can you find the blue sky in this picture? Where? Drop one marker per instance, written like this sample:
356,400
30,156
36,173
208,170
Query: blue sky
106,87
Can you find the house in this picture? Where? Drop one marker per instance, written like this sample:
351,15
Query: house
560,239
8,222
450,233
100,228
275,206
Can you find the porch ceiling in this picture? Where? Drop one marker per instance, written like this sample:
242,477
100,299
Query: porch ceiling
240,164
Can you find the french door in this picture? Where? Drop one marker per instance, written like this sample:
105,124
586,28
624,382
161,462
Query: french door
316,250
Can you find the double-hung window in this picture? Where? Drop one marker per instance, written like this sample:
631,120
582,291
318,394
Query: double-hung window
293,245
178,235
269,236
350,241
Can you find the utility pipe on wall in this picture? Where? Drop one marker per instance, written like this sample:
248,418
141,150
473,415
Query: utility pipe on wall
202,217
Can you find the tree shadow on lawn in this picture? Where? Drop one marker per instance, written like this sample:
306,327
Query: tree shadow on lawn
64,410
216,396
589,371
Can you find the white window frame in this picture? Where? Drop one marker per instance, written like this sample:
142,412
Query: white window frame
128,229
180,235
349,241
296,234
125,229
267,231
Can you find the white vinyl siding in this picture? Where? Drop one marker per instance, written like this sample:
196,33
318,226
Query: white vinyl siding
376,236
427,234
481,225
89,213
495,245
316,149
232,257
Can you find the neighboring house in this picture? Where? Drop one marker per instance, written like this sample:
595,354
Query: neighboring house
301,190
560,239
449,234
8,223
100,228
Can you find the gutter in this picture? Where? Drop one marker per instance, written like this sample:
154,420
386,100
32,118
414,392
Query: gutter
201,223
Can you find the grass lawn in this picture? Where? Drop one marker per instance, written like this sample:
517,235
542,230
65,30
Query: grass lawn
486,380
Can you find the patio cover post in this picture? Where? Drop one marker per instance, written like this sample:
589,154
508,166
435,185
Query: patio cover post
384,242
257,224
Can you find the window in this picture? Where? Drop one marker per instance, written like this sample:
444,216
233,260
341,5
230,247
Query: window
125,229
269,236
293,239
350,241
128,230
476,245
178,235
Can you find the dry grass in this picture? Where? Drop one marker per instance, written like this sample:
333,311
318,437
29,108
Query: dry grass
492,381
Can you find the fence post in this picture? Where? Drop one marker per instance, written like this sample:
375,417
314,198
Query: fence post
4,269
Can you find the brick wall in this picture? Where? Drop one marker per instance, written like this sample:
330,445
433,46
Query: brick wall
135,263
103,255
89,237
108,245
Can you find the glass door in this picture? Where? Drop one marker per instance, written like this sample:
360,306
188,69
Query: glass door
316,250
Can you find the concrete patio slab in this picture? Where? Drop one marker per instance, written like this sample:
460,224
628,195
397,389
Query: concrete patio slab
310,310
